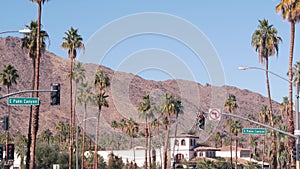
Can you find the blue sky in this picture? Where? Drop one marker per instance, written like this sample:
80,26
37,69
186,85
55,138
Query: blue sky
226,25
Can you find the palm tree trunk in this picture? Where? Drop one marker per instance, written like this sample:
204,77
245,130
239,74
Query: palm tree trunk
166,148
96,142
149,146
30,117
236,148
83,138
175,137
291,119
274,164
159,140
71,115
263,152
35,117
230,146
146,142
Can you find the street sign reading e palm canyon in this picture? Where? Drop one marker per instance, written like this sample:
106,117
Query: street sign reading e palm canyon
23,101
254,131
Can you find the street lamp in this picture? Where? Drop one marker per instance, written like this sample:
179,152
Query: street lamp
297,130
23,31
77,138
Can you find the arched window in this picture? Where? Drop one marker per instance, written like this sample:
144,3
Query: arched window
183,142
176,142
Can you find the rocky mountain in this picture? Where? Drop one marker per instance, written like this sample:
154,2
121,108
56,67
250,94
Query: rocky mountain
125,92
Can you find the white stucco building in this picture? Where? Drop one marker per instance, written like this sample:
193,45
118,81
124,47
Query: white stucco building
183,148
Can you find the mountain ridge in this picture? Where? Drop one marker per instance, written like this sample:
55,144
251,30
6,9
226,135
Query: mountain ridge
125,93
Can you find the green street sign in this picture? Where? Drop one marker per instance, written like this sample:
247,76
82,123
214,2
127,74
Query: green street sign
254,131
22,101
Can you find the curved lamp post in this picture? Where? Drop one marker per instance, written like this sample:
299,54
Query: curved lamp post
77,138
297,130
23,31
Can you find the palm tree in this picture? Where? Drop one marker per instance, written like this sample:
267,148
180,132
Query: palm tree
263,118
145,113
169,108
131,129
178,110
47,136
284,106
155,123
101,81
265,40
72,42
8,77
29,44
290,11
236,128
216,139
253,145
78,75
85,96
20,146
114,124
35,114
231,105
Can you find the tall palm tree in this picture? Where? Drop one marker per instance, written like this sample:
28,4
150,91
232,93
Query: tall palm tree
236,128
72,42
29,44
155,124
265,40
284,107
263,118
35,114
78,75
178,111
20,146
8,77
85,96
131,129
231,105
101,81
253,146
169,110
144,108
289,10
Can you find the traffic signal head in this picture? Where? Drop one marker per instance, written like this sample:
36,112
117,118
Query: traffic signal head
11,151
201,121
55,94
294,153
6,123
1,152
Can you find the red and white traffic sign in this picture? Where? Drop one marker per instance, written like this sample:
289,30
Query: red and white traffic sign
214,114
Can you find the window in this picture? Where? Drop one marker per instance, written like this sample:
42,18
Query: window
183,142
176,143
191,142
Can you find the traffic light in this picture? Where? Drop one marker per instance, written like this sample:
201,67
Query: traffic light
1,152
294,154
6,123
201,121
11,151
55,95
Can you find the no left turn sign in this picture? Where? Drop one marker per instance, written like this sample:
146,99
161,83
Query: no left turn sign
214,114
